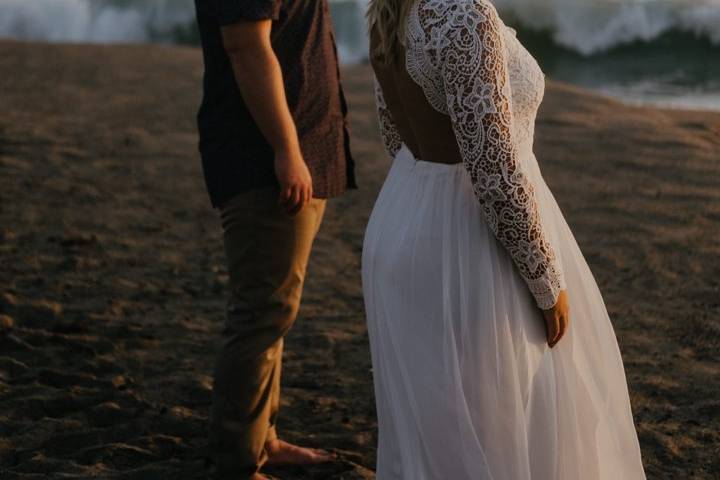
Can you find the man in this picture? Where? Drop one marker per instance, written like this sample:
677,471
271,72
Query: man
274,146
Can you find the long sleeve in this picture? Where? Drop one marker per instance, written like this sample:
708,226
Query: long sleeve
388,131
471,56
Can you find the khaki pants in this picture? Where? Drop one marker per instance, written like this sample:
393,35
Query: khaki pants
267,253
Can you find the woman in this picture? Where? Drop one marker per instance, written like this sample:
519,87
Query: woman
466,253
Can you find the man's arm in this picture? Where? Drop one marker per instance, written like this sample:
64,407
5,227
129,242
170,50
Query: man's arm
259,78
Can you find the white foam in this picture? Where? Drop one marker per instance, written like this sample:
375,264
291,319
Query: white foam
591,26
91,20
587,26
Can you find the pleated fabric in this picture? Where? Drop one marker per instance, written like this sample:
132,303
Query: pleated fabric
466,386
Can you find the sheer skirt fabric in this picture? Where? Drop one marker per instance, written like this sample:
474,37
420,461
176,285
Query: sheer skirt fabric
464,379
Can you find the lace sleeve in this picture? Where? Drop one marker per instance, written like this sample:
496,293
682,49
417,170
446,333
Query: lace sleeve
471,56
388,131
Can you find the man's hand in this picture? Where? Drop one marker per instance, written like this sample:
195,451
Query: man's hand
295,180
259,78
557,320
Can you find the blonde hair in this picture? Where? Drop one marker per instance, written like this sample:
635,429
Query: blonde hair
387,19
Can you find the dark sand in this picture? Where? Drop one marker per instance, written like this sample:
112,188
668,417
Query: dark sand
112,279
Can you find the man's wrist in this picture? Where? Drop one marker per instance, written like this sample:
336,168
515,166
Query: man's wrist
287,149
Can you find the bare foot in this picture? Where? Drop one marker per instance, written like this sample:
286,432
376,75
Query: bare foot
257,476
284,453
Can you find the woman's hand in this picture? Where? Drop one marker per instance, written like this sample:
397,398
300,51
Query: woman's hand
295,181
557,320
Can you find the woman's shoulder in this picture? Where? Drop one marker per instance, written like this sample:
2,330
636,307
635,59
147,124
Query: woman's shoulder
455,4
440,26
460,12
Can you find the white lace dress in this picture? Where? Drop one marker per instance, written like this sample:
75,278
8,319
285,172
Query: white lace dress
456,261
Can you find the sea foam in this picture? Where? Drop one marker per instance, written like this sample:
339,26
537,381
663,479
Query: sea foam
592,26
101,21
586,26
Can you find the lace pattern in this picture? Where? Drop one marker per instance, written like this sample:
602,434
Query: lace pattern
456,53
388,131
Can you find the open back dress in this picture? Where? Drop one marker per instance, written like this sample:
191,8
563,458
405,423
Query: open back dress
458,260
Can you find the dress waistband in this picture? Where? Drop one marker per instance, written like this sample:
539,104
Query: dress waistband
406,158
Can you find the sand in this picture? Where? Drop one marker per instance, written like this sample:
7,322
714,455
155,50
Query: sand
112,276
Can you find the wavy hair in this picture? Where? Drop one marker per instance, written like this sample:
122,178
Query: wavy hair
387,19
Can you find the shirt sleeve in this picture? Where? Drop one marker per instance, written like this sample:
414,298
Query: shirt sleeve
226,12
388,131
477,88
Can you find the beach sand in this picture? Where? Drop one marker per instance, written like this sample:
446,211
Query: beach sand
112,276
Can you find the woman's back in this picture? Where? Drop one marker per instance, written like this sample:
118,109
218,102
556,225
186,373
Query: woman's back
427,133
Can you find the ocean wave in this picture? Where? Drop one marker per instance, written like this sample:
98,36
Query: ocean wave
593,26
585,26
94,20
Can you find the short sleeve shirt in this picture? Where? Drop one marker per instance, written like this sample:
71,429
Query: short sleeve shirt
236,156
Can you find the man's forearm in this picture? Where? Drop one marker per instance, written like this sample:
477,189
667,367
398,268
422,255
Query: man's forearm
259,78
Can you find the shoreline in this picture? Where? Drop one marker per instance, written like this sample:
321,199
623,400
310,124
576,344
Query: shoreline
653,94
113,284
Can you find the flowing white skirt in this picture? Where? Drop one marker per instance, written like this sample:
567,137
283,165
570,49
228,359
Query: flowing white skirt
466,386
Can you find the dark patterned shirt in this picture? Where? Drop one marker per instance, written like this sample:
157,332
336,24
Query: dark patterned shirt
236,156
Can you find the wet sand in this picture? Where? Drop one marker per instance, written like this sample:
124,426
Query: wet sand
112,277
